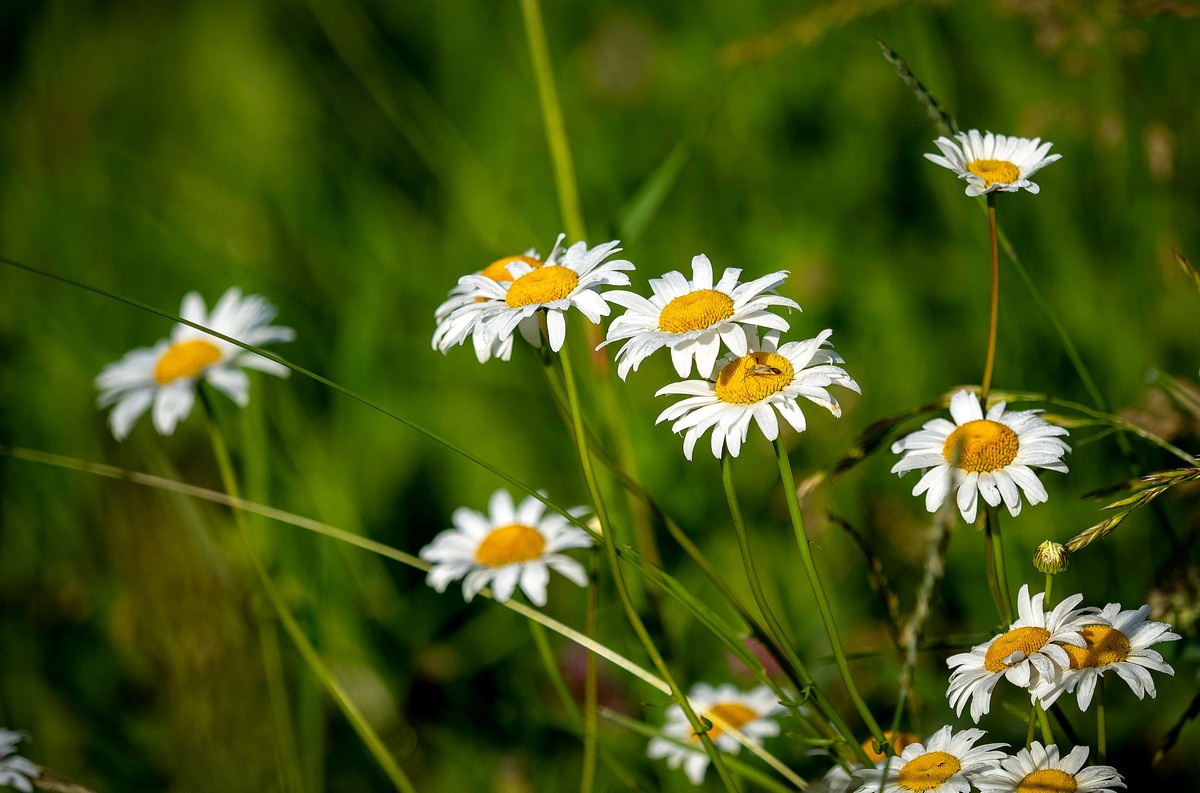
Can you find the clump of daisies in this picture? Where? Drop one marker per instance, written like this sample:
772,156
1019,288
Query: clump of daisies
992,456
521,292
512,545
990,162
15,771
946,763
725,707
163,378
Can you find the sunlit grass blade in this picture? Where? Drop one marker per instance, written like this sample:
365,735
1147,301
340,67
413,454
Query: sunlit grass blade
1145,490
1188,268
940,117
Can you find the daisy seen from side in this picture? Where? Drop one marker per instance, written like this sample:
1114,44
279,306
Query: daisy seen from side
693,318
512,545
992,456
1039,769
946,763
466,302
1116,641
989,162
1029,654
769,378
163,378
570,281
725,706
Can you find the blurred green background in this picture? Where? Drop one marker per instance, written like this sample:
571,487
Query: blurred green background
350,160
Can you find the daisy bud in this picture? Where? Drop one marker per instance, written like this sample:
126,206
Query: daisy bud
1051,557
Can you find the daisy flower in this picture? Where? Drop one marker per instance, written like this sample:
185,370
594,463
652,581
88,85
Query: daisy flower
692,318
15,771
1116,641
836,780
457,315
1028,654
572,280
510,545
725,706
993,162
993,456
768,378
163,378
946,764
1039,769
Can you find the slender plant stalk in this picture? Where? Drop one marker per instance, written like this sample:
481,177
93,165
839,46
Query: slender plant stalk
591,725
1047,601
994,315
1047,733
991,522
1030,724
814,580
1101,725
366,732
614,565
290,776
553,671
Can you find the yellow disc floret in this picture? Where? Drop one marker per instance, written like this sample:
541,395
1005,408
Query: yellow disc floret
732,714
754,377
498,270
981,446
543,285
1048,780
695,311
928,771
510,544
1105,645
1027,640
185,359
995,171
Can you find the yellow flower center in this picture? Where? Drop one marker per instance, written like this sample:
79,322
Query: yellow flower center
543,285
928,771
995,171
898,740
754,377
1105,645
185,359
695,311
510,544
498,270
981,446
733,714
1048,780
1028,640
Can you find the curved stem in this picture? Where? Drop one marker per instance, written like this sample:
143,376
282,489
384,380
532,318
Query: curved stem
814,580
993,319
991,522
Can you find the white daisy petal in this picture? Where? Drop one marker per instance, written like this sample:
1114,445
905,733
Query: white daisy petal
993,162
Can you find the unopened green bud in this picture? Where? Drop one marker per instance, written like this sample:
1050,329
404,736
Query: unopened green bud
1051,557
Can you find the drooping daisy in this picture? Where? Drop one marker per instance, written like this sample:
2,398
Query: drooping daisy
751,387
572,280
1116,641
510,545
163,378
1039,769
725,706
993,162
946,764
1030,653
993,456
692,318
457,315
15,771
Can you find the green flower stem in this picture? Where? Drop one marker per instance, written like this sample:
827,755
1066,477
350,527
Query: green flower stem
814,581
1047,602
1101,725
994,315
366,732
1030,724
590,689
777,635
991,522
614,566
1047,733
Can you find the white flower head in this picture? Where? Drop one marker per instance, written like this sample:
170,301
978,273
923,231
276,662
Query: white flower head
1039,768
992,456
692,318
511,545
993,162
946,763
456,316
748,712
572,280
15,771
770,377
163,378
1029,654
1116,641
